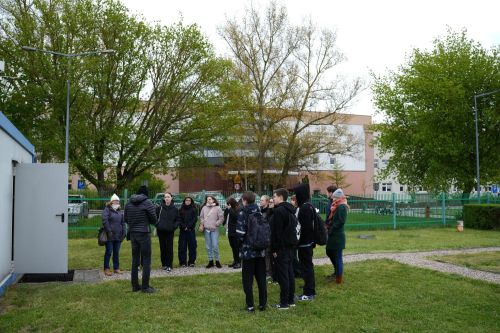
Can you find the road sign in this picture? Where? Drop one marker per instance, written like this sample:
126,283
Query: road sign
494,189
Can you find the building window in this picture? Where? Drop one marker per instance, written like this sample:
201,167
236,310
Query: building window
315,160
332,160
401,188
375,163
386,187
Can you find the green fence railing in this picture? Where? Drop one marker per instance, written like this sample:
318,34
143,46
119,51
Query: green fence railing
393,211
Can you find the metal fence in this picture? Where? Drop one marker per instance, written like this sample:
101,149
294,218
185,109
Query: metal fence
392,211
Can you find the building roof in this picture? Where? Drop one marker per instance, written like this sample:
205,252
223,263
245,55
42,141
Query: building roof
16,135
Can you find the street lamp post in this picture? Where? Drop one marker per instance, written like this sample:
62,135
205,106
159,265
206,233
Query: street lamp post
477,140
69,56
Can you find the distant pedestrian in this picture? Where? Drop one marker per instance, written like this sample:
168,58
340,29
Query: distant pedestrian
168,220
188,215
231,222
140,212
211,217
336,235
253,262
282,251
329,193
114,224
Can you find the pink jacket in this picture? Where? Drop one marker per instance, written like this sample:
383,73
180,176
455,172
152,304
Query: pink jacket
211,217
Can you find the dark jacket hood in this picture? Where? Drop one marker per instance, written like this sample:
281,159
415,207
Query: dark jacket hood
303,193
251,208
288,206
136,199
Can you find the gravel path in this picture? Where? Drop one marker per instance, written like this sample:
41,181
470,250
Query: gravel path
418,259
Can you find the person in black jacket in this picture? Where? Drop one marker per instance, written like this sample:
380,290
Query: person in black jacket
253,261
282,252
188,215
139,214
230,222
267,213
306,242
168,219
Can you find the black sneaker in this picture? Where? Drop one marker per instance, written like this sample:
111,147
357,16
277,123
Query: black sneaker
217,264
149,290
191,265
237,266
282,306
262,307
250,309
168,269
210,264
231,265
183,265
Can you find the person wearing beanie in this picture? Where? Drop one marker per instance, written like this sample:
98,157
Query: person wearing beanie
337,217
140,212
114,224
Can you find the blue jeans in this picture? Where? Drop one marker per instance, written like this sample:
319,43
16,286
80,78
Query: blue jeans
212,244
336,259
112,247
187,240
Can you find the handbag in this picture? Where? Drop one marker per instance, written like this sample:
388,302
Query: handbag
201,228
102,237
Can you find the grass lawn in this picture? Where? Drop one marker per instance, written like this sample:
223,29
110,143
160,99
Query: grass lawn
86,254
378,296
486,261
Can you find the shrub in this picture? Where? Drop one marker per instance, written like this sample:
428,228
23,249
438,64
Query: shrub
485,216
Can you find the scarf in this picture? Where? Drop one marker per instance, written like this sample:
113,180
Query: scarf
341,201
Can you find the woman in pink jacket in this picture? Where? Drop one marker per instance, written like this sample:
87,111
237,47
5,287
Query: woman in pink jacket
211,217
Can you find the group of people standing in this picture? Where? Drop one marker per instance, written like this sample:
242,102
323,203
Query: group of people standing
278,260
276,263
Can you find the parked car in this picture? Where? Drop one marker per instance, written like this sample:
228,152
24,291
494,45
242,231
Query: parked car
77,208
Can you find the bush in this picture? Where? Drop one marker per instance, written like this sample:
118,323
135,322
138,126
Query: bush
485,216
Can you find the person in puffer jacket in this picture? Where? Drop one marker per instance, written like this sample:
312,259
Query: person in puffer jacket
211,217
114,224
168,220
188,215
140,212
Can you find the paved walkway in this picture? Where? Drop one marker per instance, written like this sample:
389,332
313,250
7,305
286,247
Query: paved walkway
418,259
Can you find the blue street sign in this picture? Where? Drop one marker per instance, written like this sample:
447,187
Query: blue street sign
494,189
81,185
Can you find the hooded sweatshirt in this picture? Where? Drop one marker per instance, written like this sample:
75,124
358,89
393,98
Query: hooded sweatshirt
306,214
280,220
188,215
168,217
139,213
211,217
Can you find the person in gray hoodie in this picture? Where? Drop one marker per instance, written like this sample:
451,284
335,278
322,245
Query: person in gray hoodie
140,212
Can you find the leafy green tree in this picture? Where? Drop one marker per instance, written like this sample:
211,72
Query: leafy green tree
163,95
429,126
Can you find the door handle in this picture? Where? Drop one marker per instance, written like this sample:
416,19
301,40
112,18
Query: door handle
62,217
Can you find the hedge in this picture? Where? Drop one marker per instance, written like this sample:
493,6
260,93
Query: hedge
486,216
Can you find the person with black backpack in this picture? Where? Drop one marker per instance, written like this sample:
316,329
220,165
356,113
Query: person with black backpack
255,236
284,238
306,242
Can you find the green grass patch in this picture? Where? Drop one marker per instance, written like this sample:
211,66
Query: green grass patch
378,296
86,254
484,261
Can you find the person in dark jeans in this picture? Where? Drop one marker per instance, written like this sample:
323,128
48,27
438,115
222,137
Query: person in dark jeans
168,220
253,262
330,190
114,224
187,237
140,212
230,222
306,242
336,235
282,252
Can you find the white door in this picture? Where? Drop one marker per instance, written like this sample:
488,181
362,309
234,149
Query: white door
41,218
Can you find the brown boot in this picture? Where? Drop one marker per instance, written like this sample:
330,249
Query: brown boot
117,271
338,279
107,272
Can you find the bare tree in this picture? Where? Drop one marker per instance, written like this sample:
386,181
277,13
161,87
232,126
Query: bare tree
289,69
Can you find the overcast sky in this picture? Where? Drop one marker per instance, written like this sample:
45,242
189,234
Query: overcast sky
374,35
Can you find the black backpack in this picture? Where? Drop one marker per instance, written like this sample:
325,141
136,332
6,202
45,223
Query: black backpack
319,230
258,232
291,234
